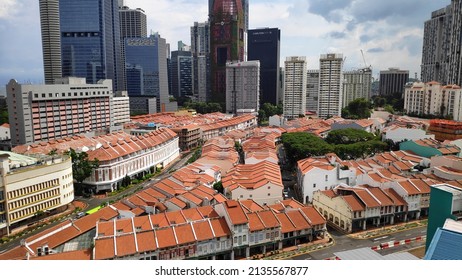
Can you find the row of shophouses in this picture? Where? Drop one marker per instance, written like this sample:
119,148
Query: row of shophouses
354,195
229,230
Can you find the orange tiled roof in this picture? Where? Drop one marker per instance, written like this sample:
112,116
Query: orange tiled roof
253,176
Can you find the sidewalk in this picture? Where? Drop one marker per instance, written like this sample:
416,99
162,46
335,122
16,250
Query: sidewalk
301,249
377,232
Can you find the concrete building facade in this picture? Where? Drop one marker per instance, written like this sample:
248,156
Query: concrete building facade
356,84
312,90
330,85
295,78
200,49
68,107
243,87
30,186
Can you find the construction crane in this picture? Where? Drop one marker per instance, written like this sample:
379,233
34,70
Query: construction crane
364,59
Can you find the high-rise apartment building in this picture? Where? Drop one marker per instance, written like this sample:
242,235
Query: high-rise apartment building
442,45
227,37
433,99
264,46
90,41
330,85
435,49
146,68
243,87
51,42
312,90
181,63
356,84
392,81
200,49
295,87
68,107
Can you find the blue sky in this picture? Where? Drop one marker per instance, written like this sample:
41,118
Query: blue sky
389,32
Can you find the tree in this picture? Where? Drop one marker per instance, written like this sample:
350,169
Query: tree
357,109
82,167
348,136
300,145
262,116
218,186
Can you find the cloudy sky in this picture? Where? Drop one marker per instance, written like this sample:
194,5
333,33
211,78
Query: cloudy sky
389,32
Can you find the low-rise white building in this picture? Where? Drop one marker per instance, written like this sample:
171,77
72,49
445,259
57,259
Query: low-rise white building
322,173
31,186
398,134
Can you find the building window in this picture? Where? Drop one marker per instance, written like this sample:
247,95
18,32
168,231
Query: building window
327,178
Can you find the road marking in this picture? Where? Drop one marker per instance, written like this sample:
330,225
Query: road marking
423,231
409,234
378,238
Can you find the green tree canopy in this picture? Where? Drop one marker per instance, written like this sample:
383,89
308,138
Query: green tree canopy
300,145
348,136
82,167
203,107
357,109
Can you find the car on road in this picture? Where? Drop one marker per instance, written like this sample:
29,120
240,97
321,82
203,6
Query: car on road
80,215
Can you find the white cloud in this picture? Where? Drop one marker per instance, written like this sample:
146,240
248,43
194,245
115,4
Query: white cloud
9,8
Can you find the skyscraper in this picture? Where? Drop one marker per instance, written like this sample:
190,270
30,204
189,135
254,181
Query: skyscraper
295,74
51,42
132,25
90,40
442,45
264,45
146,67
392,81
330,85
356,84
181,73
132,22
200,49
227,35
242,87
312,90
435,50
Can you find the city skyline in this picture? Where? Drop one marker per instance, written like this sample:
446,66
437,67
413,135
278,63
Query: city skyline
389,33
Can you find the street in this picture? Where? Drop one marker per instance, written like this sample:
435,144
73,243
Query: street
344,243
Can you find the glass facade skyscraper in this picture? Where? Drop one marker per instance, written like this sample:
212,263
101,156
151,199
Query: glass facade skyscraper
227,38
146,67
200,48
264,45
90,40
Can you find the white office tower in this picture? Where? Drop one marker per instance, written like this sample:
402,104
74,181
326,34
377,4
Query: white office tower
330,85
295,78
243,87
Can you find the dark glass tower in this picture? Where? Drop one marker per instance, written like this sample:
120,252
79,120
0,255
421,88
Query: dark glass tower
90,40
181,73
264,45
227,32
146,67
